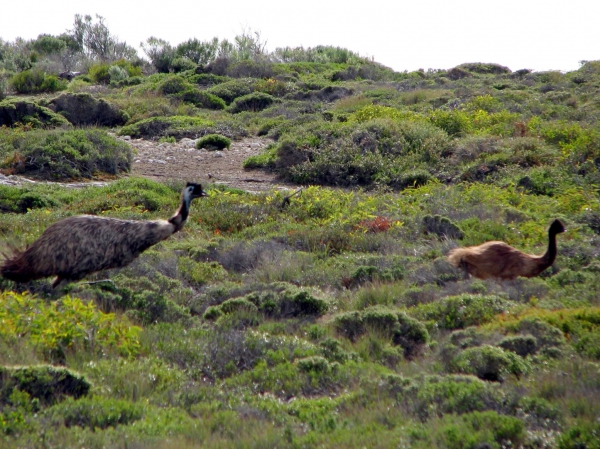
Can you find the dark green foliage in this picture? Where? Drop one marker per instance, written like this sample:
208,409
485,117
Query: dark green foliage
14,111
411,334
201,99
21,200
231,90
213,142
456,312
583,436
35,81
433,396
278,300
485,68
176,126
48,384
489,363
63,154
442,227
254,102
401,329
522,345
83,109
96,413
481,430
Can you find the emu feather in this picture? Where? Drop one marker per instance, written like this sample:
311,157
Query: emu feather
76,246
501,261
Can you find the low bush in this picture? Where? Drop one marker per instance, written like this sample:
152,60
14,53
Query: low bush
254,102
434,396
83,109
201,99
96,413
67,154
456,312
489,363
48,384
15,111
64,326
401,329
176,126
233,89
36,81
213,142
522,345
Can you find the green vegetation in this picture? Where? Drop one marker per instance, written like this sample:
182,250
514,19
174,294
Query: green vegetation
327,318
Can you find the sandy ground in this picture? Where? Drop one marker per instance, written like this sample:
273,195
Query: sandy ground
182,161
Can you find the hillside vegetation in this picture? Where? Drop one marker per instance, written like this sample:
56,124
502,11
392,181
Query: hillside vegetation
332,319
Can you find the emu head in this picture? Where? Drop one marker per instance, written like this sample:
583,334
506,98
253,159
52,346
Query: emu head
556,227
193,190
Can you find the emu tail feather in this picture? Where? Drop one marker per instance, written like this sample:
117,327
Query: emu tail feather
455,256
17,268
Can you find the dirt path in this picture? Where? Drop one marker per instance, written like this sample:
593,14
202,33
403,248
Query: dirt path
182,161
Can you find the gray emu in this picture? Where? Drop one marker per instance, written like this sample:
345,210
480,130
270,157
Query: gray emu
501,261
76,246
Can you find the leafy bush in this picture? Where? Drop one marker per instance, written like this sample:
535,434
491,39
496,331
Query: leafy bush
35,81
68,154
95,413
14,112
254,102
231,90
489,363
65,325
456,312
176,126
522,345
201,99
48,384
84,109
401,329
213,142
442,227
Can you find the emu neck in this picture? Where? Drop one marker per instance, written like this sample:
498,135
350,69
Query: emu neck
178,220
550,254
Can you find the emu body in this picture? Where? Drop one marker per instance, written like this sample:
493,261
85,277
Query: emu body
76,246
501,261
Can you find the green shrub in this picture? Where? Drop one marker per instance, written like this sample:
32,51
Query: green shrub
231,90
175,126
16,111
99,73
411,335
96,413
36,81
61,154
456,312
213,142
254,102
201,99
581,436
522,345
489,363
65,325
117,74
480,429
83,109
173,85
442,227
48,384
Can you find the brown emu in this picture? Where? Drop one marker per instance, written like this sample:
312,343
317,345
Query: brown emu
501,261
76,246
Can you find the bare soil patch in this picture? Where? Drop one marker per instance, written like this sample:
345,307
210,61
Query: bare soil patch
182,161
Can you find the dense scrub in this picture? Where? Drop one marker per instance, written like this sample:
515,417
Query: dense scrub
330,318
